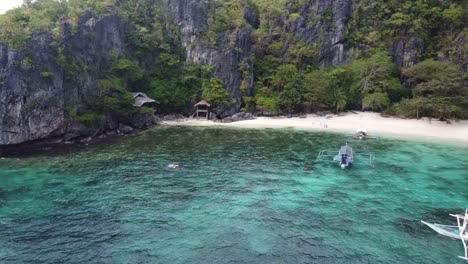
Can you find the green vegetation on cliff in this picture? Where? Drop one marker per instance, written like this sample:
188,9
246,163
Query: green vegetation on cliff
405,58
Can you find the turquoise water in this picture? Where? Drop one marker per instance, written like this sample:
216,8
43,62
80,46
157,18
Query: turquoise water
241,196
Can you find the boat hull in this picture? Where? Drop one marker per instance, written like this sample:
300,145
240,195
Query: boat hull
450,231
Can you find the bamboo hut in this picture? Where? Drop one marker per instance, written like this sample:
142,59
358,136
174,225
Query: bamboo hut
142,99
202,109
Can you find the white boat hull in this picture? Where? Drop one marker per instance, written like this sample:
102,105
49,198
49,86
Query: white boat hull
450,231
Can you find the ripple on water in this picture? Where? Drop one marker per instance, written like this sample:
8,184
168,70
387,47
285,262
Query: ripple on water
3,197
242,196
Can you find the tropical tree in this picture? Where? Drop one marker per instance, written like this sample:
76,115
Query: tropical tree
376,74
339,100
375,101
318,87
214,92
438,78
440,86
291,98
284,74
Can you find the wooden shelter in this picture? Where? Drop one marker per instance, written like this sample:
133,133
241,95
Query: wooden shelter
142,99
202,109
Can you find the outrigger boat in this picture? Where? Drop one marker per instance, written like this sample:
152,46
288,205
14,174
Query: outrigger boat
361,133
458,232
345,157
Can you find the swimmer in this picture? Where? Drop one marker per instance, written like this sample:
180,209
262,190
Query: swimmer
174,165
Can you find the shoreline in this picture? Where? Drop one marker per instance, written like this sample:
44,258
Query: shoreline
53,146
424,130
377,125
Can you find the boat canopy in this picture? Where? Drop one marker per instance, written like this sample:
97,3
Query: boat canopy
361,129
330,155
346,150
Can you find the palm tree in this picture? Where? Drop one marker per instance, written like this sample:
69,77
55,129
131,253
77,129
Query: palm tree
339,101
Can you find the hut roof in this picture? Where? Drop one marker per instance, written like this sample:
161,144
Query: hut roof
202,102
141,99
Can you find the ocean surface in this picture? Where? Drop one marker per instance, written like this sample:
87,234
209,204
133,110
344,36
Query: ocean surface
240,196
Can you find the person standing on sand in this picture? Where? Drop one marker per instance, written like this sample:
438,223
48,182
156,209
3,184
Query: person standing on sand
324,125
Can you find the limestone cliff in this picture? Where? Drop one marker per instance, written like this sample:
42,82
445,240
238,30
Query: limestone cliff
31,93
52,79
232,62
37,96
321,24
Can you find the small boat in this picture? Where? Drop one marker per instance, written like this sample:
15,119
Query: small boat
345,157
361,132
460,231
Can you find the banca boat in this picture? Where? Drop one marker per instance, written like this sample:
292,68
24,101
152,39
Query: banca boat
361,133
345,157
460,231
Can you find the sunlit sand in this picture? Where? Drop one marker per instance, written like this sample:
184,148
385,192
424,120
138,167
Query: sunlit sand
348,122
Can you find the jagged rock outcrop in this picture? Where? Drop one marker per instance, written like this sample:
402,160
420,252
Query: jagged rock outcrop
38,96
321,24
87,53
237,117
45,85
405,52
31,92
230,56
324,25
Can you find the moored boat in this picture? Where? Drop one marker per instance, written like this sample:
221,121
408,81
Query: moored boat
361,132
460,231
345,157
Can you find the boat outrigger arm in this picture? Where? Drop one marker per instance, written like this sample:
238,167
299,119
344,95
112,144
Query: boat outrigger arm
458,232
331,155
462,221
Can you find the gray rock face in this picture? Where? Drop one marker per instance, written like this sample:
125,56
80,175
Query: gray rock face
143,120
405,52
322,24
125,129
39,94
232,64
88,50
238,117
173,118
35,94
76,131
31,93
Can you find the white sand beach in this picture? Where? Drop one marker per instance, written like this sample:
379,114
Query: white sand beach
456,131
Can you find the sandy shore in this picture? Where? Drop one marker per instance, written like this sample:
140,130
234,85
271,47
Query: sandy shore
348,123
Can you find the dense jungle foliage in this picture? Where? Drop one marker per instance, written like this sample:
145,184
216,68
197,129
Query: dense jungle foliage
288,76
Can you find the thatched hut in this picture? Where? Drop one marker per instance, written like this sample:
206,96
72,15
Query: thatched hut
202,109
142,99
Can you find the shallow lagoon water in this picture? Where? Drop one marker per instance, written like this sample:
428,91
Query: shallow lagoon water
241,196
